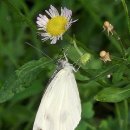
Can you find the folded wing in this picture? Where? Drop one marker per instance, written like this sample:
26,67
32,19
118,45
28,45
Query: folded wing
60,107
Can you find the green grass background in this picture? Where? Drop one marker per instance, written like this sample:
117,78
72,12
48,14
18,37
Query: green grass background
18,25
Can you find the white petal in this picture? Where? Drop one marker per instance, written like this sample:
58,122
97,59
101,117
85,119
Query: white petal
42,20
42,28
61,37
54,10
45,35
45,39
54,40
48,13
62,11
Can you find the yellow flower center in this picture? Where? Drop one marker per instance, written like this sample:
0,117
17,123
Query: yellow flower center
56,26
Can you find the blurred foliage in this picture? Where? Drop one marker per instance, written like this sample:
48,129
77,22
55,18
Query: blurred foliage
24,71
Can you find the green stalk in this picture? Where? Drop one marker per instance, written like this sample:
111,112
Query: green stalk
118,115
76,47
126,115
127,13
90,126
116,36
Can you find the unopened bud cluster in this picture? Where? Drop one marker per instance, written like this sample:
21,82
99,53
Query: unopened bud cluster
105,56
108,27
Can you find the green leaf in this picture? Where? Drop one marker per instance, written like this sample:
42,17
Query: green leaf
118,75
113,94
34,89
22,78
104,125
87,110
127,13
82,126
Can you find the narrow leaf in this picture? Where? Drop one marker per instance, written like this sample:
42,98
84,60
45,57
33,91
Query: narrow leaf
113,94
22,78
118,74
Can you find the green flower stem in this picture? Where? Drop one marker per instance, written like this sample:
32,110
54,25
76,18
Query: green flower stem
90,126
82,45
118,58
126,115
121,44
127,13
76,47
118,115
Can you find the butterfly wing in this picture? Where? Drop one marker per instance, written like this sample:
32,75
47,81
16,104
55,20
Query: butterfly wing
71,109
60,107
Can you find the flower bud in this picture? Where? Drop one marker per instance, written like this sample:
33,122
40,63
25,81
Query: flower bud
108,27
104,56
85,58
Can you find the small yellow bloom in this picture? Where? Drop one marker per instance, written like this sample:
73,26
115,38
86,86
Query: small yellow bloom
55,26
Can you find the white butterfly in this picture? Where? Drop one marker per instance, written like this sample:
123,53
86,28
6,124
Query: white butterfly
60,107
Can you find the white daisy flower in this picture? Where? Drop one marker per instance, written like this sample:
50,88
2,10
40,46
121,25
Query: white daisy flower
55,26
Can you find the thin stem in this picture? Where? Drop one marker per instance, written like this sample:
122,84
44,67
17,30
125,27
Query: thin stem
76,47
70,39
44,54
126,115
90,126
118,58
121,43
127,13
118,115
119,61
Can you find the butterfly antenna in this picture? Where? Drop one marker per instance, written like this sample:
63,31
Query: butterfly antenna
65,57
39,50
